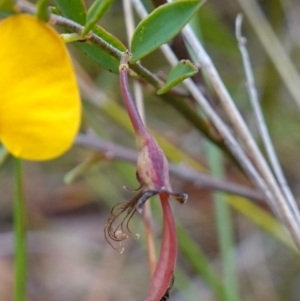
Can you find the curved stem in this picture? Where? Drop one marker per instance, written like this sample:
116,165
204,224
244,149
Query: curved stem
138,95
164,271
134,116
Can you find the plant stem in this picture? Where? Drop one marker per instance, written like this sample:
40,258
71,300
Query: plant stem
71,37
133,114
138,95
20,235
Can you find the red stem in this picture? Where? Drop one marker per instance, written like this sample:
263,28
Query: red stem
134,116
164,271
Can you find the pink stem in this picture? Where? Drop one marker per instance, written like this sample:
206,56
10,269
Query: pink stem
134,116
167,258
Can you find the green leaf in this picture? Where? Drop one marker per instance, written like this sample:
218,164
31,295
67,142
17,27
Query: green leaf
183,70
7,5
96,11
75,11
104,59
161,26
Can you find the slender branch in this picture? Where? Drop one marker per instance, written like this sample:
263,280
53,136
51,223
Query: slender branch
114,151
138,93
135,118
261,121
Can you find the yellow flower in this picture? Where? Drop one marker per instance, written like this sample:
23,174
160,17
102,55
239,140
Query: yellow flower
39,100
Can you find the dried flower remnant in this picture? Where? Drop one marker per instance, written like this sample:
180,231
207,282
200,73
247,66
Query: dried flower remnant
121,232
153,177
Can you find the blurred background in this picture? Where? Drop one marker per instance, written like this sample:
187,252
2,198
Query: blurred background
68,257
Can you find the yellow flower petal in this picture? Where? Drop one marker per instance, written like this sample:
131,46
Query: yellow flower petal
39,100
